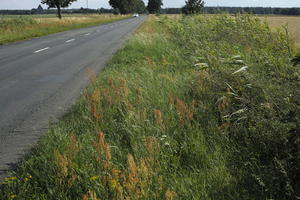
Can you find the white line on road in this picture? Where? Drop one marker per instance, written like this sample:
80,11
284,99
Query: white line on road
71,40
87,34
41,50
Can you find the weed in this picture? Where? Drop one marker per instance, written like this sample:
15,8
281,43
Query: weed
193,107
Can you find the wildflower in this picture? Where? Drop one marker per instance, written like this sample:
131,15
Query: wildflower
13,196
94,178
167,144
113,183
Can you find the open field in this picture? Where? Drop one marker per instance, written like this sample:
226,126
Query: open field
191,108
15,28
292,23
53,15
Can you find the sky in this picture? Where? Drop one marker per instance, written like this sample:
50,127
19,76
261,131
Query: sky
28,4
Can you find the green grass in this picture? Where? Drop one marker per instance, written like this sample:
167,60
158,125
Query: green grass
177,115
49,15
16,28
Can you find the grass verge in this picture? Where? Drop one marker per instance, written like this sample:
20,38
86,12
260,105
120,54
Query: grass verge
191,108
25,27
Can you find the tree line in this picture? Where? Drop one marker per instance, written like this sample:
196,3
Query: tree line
119,6
154,6
236,10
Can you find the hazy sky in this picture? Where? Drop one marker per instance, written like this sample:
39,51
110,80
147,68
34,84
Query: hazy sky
28,4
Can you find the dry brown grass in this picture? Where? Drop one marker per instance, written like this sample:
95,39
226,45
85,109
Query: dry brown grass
293,23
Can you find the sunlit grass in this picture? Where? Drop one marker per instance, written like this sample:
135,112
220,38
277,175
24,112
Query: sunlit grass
24,27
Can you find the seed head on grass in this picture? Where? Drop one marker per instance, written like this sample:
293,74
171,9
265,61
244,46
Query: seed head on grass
62,163
158,117
170,194
94,104
72,148
185,111
104,151
91,195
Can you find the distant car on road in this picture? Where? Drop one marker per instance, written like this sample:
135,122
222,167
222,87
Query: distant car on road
135,15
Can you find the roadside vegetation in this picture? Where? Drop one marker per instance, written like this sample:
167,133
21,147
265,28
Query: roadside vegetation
290,23
192,107
25,27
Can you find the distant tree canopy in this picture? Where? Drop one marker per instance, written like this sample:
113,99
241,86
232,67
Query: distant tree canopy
193,7
128,6
58,4
154,6
208,10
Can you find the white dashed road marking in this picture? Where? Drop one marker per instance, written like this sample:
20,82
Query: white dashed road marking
41,50
87,34
71,40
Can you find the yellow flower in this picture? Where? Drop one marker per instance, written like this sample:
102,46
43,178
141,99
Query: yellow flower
25,180
114,183
94,178
13,196
30,176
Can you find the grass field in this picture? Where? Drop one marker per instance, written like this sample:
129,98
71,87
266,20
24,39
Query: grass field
16,28
292,23
190,108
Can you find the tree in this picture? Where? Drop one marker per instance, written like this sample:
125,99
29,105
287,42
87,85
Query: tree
139,7
128,6
193,7
58,4
154,6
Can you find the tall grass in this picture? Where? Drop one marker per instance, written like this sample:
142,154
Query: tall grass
24,27
192,108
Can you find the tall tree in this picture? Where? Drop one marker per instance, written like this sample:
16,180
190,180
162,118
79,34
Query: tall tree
128,6
154,6
139,7
58,4
193,7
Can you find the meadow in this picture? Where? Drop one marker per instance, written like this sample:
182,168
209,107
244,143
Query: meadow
192,107
16,28
292,24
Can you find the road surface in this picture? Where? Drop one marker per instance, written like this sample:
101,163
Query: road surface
42,77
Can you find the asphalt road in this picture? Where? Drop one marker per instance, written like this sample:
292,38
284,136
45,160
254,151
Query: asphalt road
42,77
